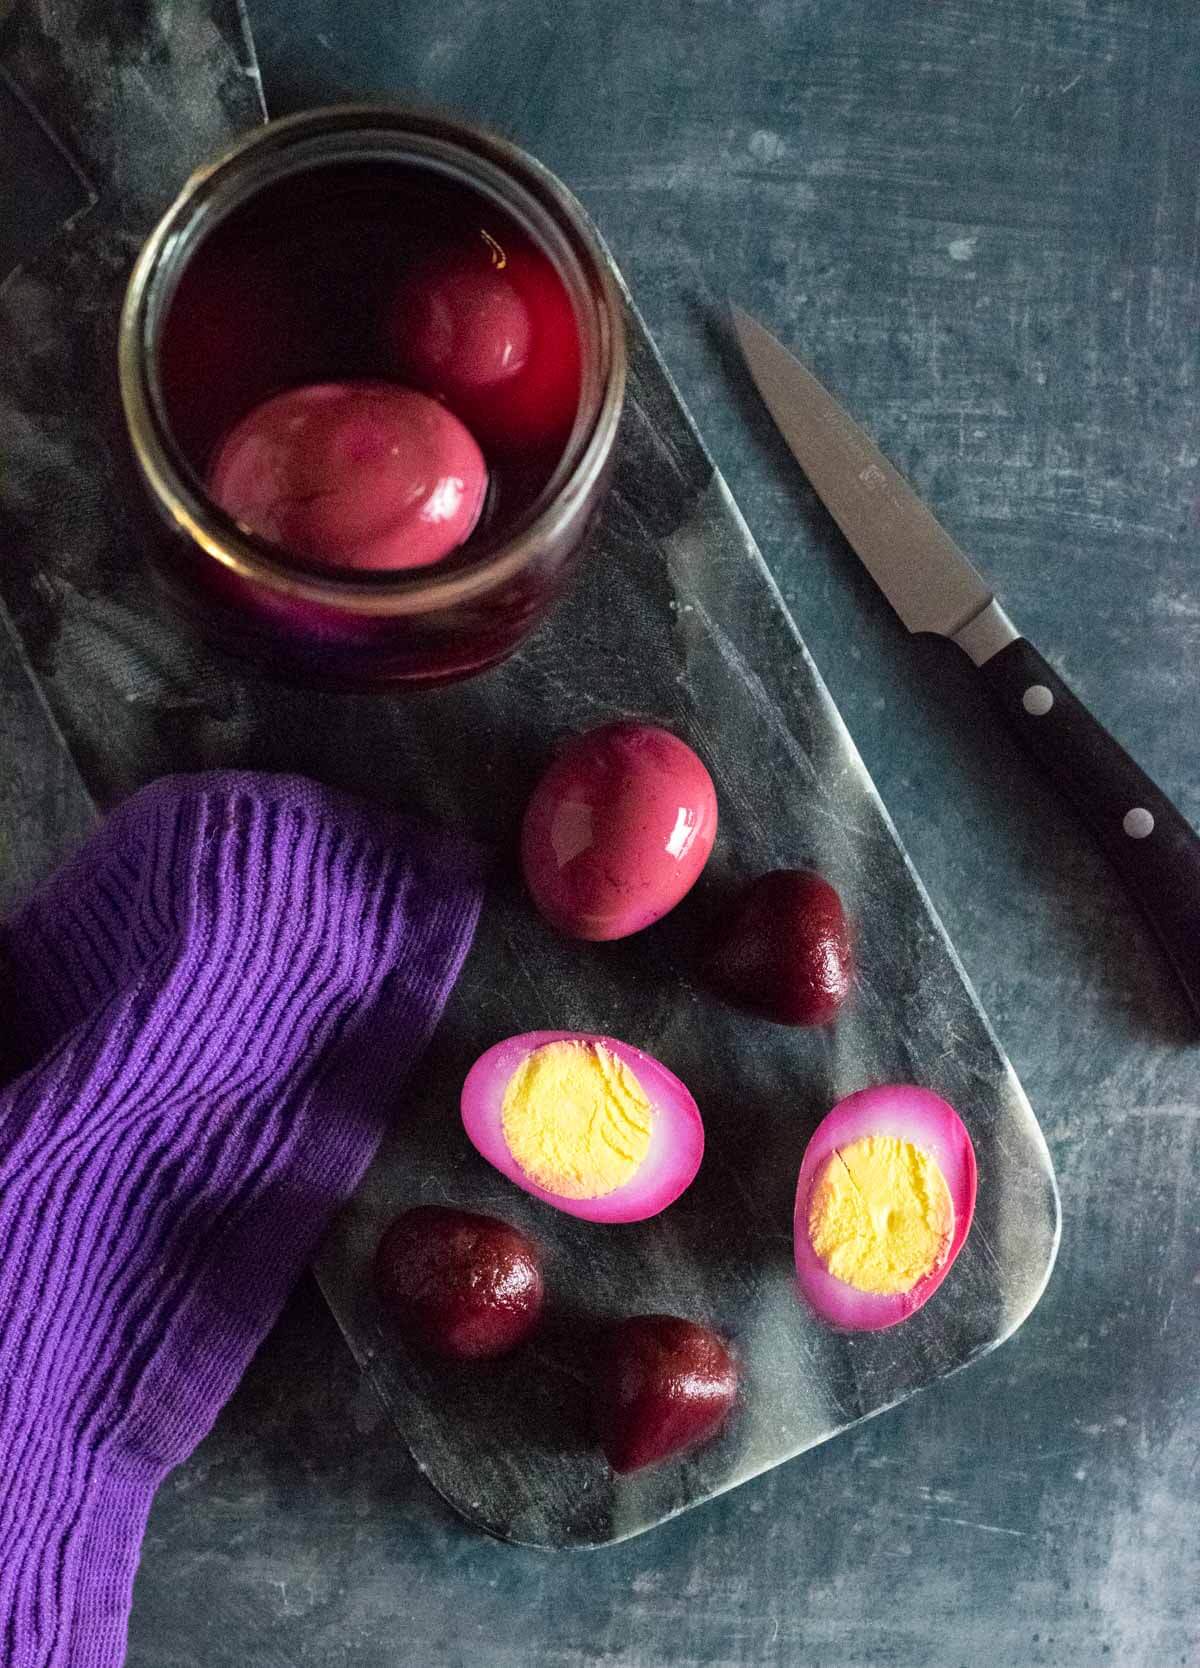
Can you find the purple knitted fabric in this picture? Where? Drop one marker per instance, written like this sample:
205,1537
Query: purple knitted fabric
218,1000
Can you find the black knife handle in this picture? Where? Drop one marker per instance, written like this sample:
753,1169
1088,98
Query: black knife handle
1156,852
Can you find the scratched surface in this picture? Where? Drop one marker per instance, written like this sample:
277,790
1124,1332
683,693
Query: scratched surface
673,616
981,229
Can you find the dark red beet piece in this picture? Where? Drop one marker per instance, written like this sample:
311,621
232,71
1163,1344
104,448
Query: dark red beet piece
458,1284
783,950
666,1385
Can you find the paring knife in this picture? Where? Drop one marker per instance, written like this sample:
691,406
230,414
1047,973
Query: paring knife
933,587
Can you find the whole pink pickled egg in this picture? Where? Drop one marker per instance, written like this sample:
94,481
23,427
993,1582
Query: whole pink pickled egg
355,474
459,325
491,330
617,830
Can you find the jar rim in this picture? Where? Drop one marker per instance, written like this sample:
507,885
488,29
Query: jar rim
328,135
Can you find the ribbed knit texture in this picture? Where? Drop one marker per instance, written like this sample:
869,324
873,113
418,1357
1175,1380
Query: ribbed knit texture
216,1004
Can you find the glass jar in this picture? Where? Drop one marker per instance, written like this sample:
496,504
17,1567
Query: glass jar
290,615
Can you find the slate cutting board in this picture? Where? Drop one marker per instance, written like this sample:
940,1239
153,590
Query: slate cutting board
675,617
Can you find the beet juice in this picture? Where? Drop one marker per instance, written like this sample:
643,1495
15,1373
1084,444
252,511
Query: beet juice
385,385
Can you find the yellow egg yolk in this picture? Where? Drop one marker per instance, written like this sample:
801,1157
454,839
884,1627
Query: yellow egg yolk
576,1119
880,1214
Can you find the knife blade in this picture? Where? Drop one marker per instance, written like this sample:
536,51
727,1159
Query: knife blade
933,587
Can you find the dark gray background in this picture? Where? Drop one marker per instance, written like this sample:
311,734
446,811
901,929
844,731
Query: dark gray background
979,222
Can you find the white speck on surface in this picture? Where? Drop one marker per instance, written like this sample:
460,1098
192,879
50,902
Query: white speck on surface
988,1528
648,1581
766,146
1176,607
962,248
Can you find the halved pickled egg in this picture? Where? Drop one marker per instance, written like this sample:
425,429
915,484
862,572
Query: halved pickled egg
588,1124
883,1205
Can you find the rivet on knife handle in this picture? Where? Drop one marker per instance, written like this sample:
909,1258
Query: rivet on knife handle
1155,850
